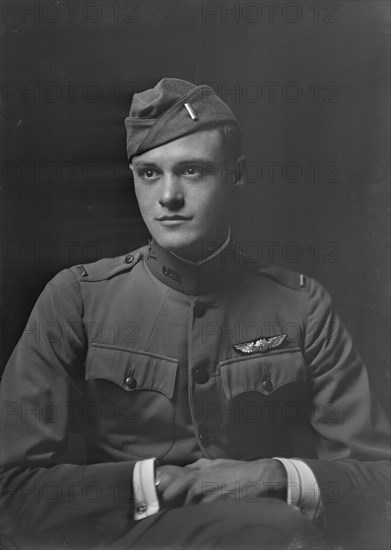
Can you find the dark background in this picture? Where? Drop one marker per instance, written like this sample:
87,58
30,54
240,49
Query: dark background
309,83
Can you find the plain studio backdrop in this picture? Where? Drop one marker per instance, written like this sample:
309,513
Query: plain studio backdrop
308,81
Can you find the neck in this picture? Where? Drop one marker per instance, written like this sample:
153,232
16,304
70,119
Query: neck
206,255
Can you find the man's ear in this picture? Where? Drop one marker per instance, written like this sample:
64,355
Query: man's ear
133,172
233,172
240,168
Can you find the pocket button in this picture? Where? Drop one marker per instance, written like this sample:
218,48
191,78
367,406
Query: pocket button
267,385
131,382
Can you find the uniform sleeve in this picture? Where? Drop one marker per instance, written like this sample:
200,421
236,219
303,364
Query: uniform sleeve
353,469
48,492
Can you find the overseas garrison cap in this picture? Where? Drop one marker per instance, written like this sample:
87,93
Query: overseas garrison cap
172,109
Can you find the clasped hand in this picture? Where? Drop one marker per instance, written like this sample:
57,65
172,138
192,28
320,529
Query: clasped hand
221,480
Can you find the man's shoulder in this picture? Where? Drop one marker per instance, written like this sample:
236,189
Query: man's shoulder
281,276
107,268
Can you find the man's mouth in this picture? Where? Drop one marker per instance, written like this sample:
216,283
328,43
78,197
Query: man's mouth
175,218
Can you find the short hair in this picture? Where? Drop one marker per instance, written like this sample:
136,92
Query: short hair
232,141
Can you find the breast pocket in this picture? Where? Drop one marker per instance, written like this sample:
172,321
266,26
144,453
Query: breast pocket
264,399
133,391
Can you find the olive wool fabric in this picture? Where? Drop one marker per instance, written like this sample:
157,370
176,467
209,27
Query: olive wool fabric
172,109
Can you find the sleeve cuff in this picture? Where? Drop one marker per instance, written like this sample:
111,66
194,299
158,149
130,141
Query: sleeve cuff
146,501
302,489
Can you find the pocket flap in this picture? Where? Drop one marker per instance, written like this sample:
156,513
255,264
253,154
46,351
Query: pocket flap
148,371
261,373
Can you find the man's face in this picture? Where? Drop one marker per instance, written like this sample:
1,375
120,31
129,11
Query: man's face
181,193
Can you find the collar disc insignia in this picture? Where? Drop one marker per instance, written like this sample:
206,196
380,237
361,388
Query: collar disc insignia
168,272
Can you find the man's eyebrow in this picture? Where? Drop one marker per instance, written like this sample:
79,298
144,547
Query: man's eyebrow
195,160
190,160
143,164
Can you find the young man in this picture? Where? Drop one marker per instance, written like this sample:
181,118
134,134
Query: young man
205,424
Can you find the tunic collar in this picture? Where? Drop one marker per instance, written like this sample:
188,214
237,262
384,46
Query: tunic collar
195,278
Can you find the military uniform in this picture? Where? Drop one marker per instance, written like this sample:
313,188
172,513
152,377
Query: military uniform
150,356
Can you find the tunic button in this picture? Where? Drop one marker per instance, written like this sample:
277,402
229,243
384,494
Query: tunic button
267,385
131,382
129,258
201,376
199,309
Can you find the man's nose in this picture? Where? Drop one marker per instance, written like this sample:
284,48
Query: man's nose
171,195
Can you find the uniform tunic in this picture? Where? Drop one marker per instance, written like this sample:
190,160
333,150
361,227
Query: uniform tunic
139,356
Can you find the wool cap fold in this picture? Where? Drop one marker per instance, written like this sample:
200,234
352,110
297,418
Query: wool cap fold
172,109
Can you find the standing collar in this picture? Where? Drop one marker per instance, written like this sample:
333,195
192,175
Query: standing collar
195,278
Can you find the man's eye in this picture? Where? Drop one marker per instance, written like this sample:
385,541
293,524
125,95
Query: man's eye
148,173
192,171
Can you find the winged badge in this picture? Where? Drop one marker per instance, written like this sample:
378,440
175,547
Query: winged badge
260,344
